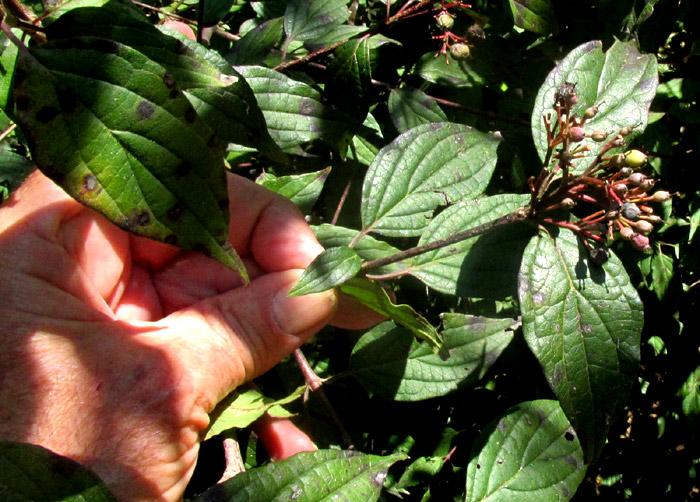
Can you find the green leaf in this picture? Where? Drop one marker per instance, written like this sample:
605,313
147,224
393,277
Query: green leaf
310,19
690,393
329,269
620,82
529,453
302,189
257,43
119,137
386,360
373,296
30,472
243,407
455,74
13,170
308,477
483,266
658,271
350,74
410,107
583,323
8,56
215,11
428,166
534,15
367,247
294,111
218,93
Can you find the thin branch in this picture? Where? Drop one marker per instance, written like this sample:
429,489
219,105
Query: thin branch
520,214
316,385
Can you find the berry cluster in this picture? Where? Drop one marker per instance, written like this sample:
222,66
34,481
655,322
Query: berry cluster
445,20
611,184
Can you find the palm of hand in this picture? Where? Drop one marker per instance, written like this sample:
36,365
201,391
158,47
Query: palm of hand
118,347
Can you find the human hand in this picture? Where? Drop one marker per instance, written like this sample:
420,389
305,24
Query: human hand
117,347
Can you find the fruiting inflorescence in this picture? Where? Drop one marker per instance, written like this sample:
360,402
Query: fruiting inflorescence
445,20
611,188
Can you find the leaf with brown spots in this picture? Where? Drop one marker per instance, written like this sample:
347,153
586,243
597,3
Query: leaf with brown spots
583,322
113,137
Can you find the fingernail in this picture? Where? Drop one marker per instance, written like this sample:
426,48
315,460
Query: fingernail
296,314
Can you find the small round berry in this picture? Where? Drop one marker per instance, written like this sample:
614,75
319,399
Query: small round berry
635,158
636,179
567,203
643,226
617,160
630,211
641,242
590,112
620,189
445,21
599,136
647,184
459,51
625,131
661,196
577,134
599,255
627,233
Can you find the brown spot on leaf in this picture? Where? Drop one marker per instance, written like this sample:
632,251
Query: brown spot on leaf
90,183
175,213
168,80
143,218
22,103
174,93
145,110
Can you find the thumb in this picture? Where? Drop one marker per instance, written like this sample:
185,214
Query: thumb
236,336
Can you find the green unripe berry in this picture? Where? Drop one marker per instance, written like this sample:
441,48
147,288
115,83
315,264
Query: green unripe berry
590,112
599,136
635,158
445,21
625,131
459,51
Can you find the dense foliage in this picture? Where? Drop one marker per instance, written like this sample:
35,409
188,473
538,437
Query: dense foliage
513,184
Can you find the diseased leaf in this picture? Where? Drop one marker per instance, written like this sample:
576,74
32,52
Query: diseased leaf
373,296
410,107
310,19
428,166
116,136
294,111
483,266
302,189
621,82
583,323
30,472
367,247
243,407
534,15
308,477
387,361
218,93
529,453
331,268
8,56
256,44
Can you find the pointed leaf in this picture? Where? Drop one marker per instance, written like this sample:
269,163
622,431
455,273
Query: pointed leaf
367,247
308,477
350,74
310,19
438,71
302,189
115,136
219,94
331,268
215,10
483,266
690,393
534,15
529,453
428,166
583,323
410,107
30,472
373,295
621,82
8,56
294,111
241,408
387,361
256,44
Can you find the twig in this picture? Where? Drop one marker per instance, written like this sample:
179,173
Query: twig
315,384
341,202
233,459
520,214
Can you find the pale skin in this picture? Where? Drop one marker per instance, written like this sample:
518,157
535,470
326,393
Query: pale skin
116,348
